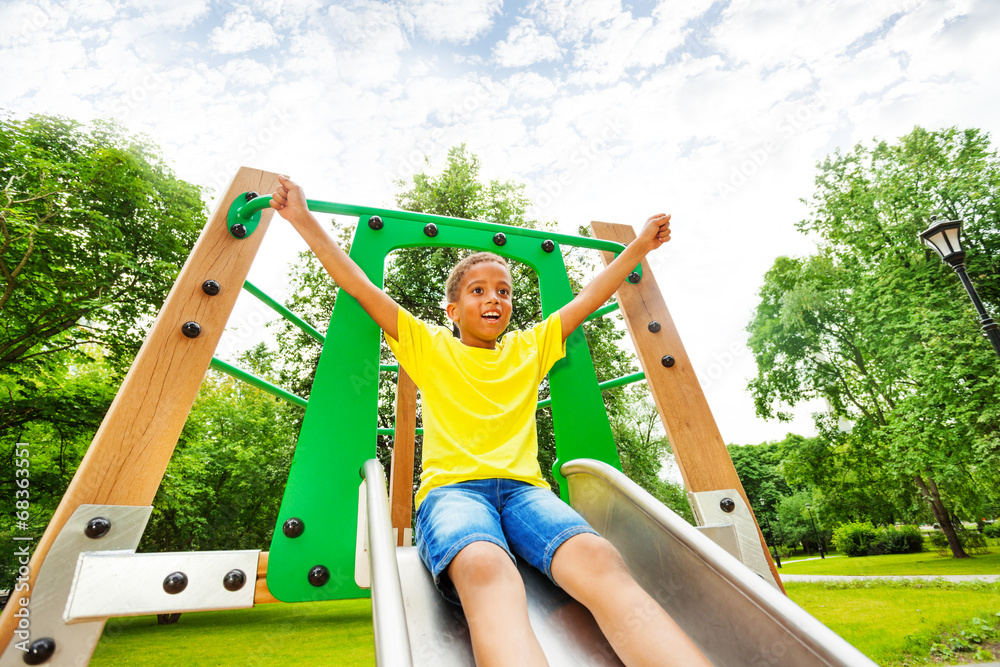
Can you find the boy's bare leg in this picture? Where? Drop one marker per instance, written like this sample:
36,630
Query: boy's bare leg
496,606
590,569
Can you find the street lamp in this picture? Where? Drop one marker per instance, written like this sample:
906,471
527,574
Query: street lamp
815,533
770,534
946,240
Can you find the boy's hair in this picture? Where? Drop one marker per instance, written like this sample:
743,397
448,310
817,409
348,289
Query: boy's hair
454,284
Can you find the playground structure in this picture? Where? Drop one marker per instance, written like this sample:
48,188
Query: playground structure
334,539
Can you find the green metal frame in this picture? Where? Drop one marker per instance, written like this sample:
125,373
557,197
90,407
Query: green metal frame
337,435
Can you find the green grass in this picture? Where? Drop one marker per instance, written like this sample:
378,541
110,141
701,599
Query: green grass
926,563
309,633
879,619
875,616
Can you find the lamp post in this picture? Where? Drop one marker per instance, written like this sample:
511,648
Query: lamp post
819,544
770,534
945,238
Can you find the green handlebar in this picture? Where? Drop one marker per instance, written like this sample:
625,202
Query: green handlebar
247,210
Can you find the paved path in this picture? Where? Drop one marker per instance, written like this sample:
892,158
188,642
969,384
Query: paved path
802,560
946,577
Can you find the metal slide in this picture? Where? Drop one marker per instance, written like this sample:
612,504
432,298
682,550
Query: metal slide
735,617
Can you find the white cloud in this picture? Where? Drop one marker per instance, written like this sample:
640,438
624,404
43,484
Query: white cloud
525,46
571,20
91,10
247,70
455,21
242,31
532,86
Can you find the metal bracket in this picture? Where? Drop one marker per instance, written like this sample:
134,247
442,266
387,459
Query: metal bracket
723,534
726,506
73,644
110,583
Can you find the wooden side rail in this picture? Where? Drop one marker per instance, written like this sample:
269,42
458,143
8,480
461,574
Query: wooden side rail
401,481
130,452
700,452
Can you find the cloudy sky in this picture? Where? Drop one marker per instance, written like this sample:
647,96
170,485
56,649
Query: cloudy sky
607,110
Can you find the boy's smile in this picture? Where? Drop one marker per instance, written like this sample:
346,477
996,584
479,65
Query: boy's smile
484,304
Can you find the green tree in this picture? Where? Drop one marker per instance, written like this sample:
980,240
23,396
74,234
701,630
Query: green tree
874,324
93,229
759,470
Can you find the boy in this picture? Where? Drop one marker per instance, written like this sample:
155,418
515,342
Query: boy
482,496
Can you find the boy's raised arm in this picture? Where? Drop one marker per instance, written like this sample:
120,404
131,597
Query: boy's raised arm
654,233
290,202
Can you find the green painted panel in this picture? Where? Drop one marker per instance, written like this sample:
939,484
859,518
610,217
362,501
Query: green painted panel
338,432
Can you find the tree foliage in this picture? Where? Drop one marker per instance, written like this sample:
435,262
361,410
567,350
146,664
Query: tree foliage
94,227
877,326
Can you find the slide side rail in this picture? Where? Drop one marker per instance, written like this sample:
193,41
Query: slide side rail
733,615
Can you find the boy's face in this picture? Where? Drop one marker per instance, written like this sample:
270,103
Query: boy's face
483,309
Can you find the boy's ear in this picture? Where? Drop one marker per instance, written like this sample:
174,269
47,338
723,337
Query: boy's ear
452,311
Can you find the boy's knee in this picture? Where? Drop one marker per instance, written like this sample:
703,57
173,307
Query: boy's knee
588,557
481,564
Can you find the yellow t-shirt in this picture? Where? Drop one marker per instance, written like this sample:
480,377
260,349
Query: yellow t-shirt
478,405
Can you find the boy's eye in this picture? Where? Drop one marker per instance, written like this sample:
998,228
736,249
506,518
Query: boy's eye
504,291
477,290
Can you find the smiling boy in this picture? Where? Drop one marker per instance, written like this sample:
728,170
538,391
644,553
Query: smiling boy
482,500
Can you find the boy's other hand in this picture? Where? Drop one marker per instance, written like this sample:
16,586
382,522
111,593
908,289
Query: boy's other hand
656,231
289,200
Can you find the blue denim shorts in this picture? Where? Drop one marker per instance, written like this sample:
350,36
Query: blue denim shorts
520,518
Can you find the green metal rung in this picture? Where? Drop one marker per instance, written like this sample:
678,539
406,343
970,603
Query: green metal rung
601,312
240,374
390,431
247,211
284,312
610,384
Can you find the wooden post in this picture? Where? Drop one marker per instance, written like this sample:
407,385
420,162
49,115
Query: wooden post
401,483
130,452
698,447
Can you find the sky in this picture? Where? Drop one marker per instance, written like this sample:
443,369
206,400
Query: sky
716,112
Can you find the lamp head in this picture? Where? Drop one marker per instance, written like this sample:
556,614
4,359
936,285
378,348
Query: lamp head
946,240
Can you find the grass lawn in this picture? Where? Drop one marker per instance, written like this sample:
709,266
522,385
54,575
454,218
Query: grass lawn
877,617
308,633
925,563
878,620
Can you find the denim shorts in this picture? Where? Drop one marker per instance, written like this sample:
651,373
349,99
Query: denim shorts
520,518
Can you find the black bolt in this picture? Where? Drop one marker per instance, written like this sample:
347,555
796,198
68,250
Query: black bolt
727,505
191,329
238,230
375,222
634,277
210,287
175,582
654,327
319,575
97,527
499,238
548,246
40,651
250,196
234,580
293,527
431,229
667,360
